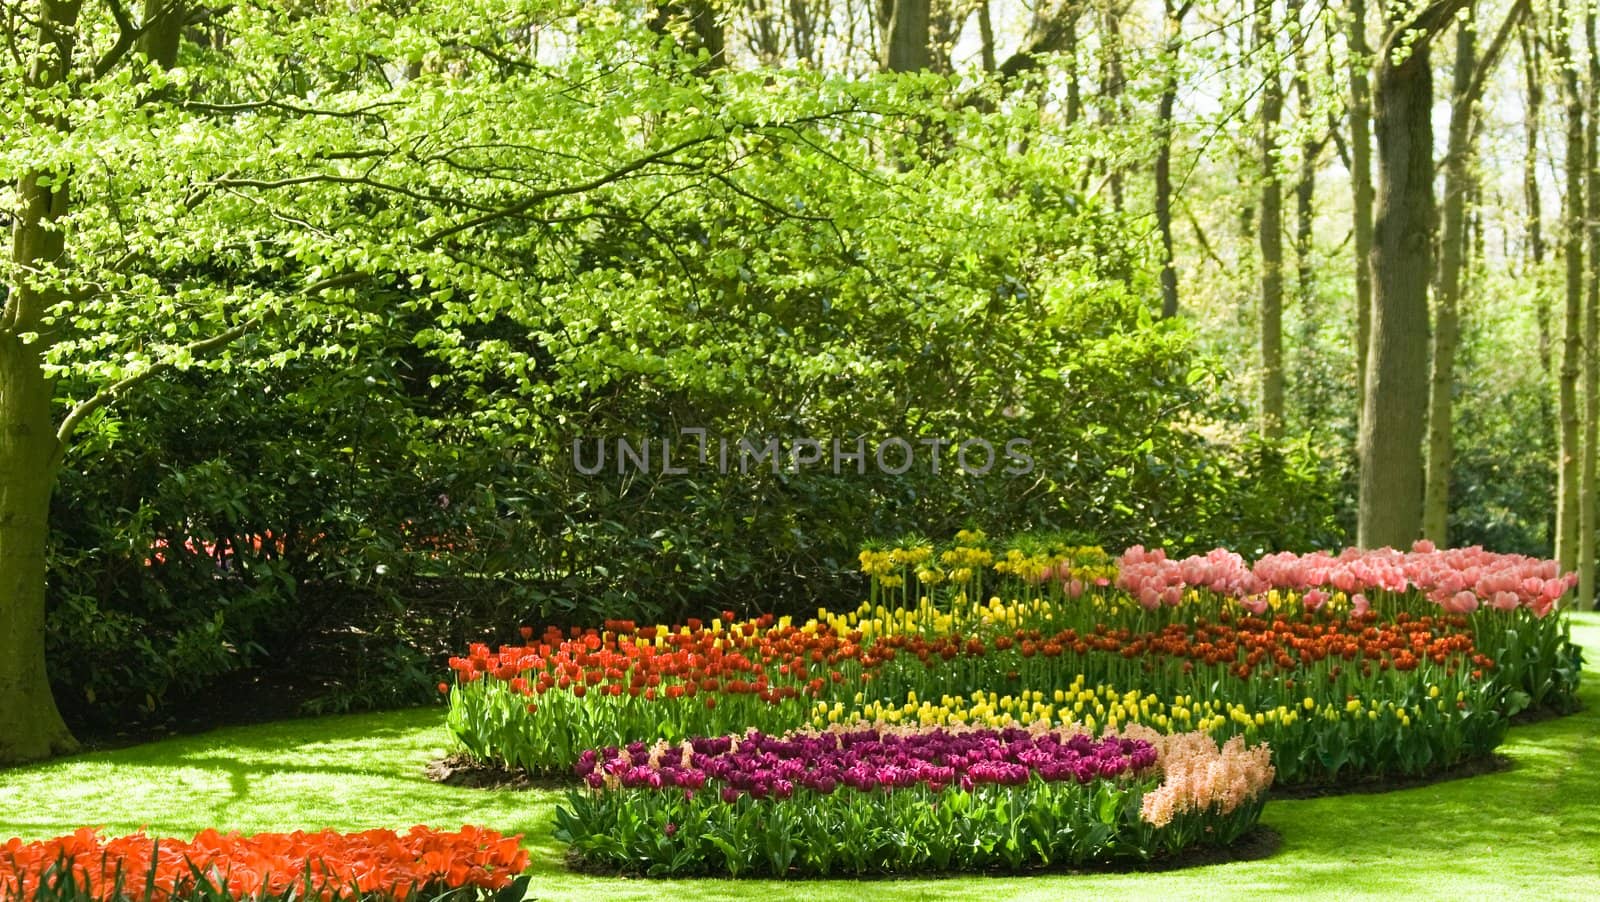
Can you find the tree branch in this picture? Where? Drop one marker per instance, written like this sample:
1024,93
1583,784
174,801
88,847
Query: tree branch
1338,141
112,392
1200,236
127,35
1481,72
538,197
1491,55
1420,30
365,112
293,181
1048,36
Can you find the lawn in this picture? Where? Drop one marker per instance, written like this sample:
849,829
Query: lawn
1530,831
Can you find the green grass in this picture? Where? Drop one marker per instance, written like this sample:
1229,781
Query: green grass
1531,831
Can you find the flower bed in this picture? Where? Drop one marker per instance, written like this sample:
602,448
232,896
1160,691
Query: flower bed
886,800
1402,677
375,864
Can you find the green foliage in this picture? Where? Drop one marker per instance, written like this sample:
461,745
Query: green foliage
1503,483
1038,824
435,283
190,527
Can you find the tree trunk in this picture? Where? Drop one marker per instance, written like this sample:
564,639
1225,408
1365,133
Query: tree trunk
1477,237
1269,234
1305,192
1533,84
1169,98
1361,185
708,28
701,16
1591,334
944,29
30,725
1244,153
161,31
1446,327
1533,236
1395,418
803,27
1113,83
905,34
764,33
1572,338
1069,54
986,36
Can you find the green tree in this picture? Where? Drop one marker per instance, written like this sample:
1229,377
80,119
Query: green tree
1470,77
602,235
203,215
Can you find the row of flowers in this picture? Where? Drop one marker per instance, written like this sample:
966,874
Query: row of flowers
863,759
783,661
372,865
540,704
1460,580
1312,741
880,799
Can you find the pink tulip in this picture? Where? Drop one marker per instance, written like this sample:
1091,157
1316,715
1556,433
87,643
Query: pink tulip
1462,602
1149,599
1505,601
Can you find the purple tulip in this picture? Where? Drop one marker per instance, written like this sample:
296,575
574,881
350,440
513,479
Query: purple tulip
865,760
